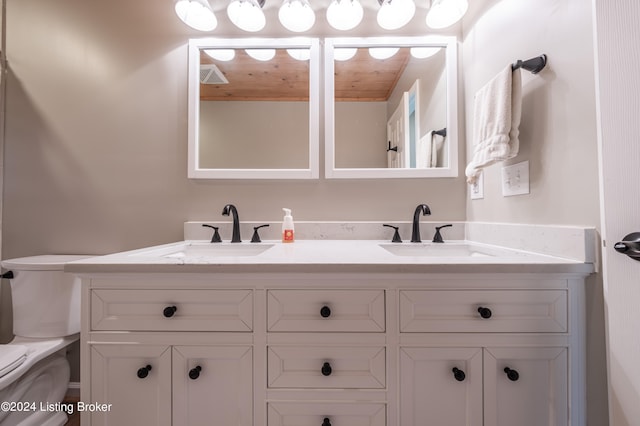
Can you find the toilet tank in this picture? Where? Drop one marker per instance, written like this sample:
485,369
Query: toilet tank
45,299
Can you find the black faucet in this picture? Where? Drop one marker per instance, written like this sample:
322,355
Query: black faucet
415,231
230,208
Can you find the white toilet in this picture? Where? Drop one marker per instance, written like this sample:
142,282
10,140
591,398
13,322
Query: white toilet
34,371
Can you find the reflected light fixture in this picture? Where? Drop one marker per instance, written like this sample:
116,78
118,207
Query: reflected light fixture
395,14
197,14
383,52
444,13
261,54
296,15
344,53
344,14
221,54
423,52
299,54
247,14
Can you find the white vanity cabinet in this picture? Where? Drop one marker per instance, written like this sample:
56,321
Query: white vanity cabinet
328,348
168,356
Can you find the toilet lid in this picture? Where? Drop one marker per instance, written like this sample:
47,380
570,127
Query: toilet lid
11,356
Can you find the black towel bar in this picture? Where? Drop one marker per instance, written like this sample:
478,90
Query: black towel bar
441,132
533,65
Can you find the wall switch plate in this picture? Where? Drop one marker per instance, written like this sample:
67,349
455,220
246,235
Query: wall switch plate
515,179
476,191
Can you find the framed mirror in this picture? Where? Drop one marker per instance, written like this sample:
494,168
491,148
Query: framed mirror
391,107
253,108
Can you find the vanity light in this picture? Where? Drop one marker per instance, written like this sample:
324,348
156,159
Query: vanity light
296,15
344,53
197,14
383,52
344,14
247,14
423,52
261,54
299,54
395,14
221,54
444,13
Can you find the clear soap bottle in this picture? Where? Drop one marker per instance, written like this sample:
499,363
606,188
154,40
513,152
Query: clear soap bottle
287,227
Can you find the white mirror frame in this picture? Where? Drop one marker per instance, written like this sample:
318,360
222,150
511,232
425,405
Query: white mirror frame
195,45
331,172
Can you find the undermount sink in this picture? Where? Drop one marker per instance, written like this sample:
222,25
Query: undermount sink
206,249
437,250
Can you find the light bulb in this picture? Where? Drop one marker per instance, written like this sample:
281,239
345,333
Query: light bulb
221,54
344,14
246,15
444,13
344,53
383,52
395,14
197,14
261,54
423,52
299,54
296,15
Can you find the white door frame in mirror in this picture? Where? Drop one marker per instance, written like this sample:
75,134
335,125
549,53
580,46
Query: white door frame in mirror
331,172
195,45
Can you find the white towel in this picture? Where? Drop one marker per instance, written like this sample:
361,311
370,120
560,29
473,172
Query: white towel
496,117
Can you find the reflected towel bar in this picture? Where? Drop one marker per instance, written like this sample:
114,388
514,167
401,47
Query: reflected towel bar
533,65
441,132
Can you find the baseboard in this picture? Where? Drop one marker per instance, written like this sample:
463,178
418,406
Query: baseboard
73,391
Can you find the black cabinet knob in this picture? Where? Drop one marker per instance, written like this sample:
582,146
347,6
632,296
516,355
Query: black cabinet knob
512,375
326,422
169,311
325,312
326,369
144,371
485,312
194,373
459,374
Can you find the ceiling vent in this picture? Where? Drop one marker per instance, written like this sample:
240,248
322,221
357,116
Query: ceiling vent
211,74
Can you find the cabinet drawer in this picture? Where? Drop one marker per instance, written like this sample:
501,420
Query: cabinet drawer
195,310
505,311
322,367
318,414
326,310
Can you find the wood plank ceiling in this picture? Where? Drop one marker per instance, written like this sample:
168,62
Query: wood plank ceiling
283,78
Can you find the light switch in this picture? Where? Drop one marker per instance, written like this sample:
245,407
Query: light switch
515,179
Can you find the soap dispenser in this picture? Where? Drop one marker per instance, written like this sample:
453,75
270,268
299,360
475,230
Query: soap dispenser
287,227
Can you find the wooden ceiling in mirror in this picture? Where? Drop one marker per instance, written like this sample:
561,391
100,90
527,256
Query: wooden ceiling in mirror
362,78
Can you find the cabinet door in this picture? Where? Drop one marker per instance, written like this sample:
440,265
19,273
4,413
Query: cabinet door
220,392
135,380
526,386
433,393
326,414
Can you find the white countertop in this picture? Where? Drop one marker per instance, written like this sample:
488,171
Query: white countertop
329,256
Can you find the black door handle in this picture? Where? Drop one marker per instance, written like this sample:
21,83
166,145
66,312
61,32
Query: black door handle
629,246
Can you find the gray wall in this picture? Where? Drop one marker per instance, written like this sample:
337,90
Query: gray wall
557,133
95,140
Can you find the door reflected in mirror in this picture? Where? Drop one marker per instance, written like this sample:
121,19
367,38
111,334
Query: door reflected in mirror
391,107
255,109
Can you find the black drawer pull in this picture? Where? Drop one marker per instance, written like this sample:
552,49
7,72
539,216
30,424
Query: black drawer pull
512,375
484,312
194,373
325,312
459,374
144,372
326,369
169,311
